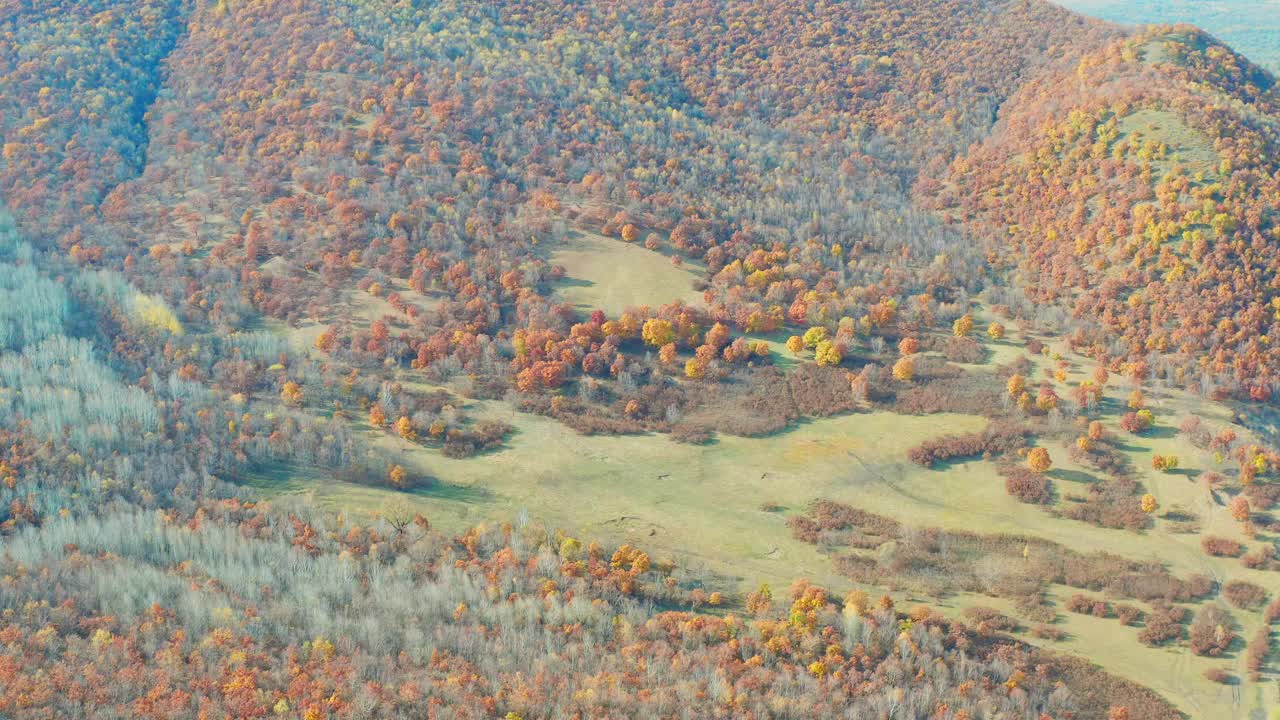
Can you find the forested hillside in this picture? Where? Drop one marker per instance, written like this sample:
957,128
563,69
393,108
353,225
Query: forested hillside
1252,27
1140,187
397,359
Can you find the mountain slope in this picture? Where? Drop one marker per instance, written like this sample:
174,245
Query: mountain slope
1139,188
322,243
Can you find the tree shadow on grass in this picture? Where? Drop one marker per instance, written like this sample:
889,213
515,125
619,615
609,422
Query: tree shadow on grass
467,494
1110,406
1003,342
959,461
299,477
570,282
1076,476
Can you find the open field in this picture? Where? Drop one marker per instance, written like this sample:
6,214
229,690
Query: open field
1186,145
672,497
612,275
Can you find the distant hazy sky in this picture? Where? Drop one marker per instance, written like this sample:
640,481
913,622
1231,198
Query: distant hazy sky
1251,27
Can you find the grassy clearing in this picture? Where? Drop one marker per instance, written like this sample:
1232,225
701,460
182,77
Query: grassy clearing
698,501
1187,145
612,275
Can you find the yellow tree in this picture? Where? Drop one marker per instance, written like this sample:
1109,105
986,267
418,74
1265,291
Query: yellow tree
377,417
657,332
904,369
795,344
404,428
1016,385
628,324
291,394
694,368
827,353
326,340
1038,460
1046,399
857,603
995,331
814,335
759,602
963,326
1148,503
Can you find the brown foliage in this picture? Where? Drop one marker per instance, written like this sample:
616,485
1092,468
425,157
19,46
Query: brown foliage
1027,486
971,393
1163,623
1218,675
1244,594
964,350
1127,614
1088,606
1211,633
996,440
987,620
820,391
1257,650
1221,547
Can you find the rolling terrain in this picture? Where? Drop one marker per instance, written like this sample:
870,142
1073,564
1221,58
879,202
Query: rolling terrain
628,359
1250,26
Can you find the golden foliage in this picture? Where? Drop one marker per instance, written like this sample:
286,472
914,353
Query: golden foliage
155,315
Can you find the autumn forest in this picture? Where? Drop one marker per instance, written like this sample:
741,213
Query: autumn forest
570,359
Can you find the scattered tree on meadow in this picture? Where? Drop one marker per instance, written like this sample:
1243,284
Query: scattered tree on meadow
405,429
1148,503
1038,460
1240,509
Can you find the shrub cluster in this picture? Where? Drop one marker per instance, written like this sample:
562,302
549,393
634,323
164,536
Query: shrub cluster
996,440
